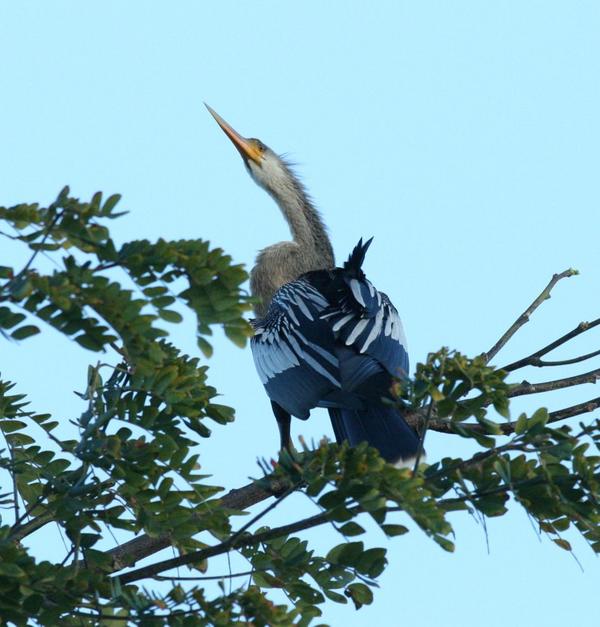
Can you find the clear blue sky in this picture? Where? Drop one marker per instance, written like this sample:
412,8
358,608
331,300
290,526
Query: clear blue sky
464,136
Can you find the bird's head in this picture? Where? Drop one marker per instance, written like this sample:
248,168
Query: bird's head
266,167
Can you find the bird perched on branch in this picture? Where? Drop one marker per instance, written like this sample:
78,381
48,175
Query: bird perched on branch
324,336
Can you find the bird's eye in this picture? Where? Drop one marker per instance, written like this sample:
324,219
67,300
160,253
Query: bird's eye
259,145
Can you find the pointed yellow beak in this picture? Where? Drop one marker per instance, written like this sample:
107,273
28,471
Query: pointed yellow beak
245,147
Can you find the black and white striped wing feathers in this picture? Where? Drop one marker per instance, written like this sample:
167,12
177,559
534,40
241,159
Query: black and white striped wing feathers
293,349
365,320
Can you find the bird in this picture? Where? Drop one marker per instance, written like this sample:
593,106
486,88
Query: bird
324,336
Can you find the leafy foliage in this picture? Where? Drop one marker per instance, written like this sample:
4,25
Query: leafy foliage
130,460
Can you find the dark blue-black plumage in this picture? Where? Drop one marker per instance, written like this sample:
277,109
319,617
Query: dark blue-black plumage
330,339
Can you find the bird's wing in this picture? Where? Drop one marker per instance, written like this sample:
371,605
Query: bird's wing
293,349
365,320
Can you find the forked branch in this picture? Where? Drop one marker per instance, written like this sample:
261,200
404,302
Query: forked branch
443,425
548,386
524,317
534,358
130,552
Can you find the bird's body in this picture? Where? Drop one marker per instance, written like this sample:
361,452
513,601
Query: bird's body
330,339
324,336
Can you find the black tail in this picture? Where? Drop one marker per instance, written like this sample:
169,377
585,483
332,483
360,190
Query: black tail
357,258
382,427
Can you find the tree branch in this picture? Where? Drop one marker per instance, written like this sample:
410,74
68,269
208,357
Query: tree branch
574,410
285,530
246,573
422,431
443,425
128,553
47,231
547,386
224,547
565,362
23,530
555,416
524,317
534,358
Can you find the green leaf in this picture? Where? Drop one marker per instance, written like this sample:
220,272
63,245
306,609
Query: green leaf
502,407
351,529
336,597
204,346
88,342
170,315
562,524
394,530
360,594
8,426
239,336
155,290
436,395
331,499
163,301
9,319
11,570
96,200
521,425
484,440
220,413
346,554
110,203
24,332
372,562
540,417
502,467
446,544
563,544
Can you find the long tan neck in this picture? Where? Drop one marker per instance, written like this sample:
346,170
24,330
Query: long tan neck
310,249
306,226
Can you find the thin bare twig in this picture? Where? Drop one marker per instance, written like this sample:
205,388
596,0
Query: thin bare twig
443,425
233,539
9,236
99,617
534,358
424,428
106,266
14,481
543,363
209,577
524,317
558,384
37,251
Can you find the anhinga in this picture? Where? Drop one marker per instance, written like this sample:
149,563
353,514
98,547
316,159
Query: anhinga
324,336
